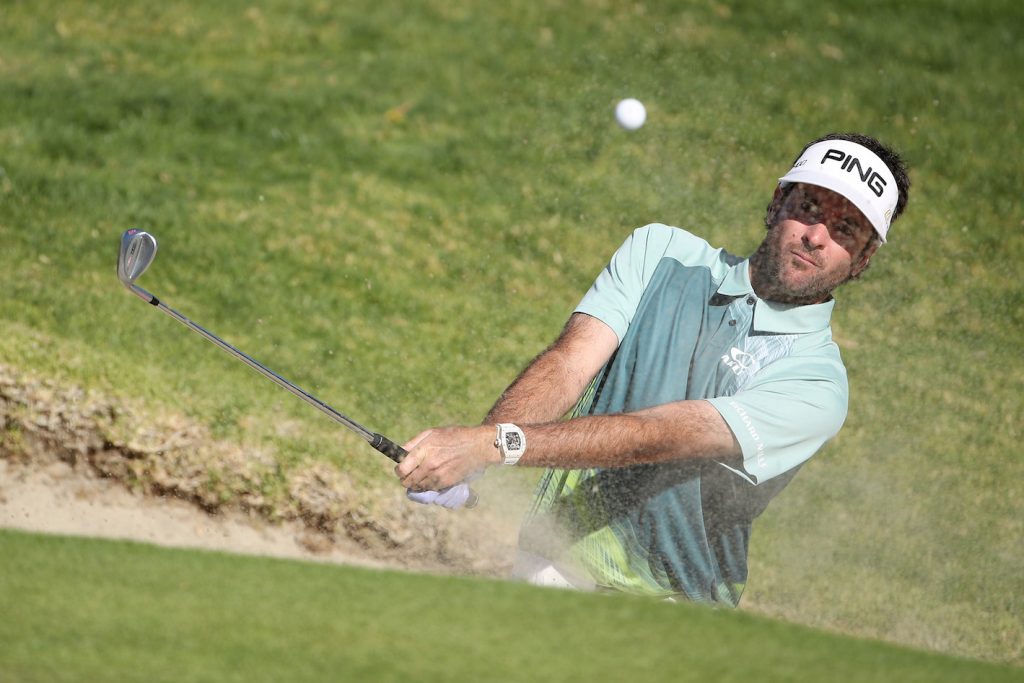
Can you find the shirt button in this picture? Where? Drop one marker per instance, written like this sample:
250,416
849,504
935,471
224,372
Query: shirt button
732,323
750,300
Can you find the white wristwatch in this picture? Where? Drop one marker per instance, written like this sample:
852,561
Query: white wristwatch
511,441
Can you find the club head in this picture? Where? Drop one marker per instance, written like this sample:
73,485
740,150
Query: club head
138,249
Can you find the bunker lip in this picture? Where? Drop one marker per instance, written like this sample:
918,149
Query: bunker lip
92,447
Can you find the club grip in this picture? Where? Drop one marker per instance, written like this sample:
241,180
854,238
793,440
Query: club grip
389,448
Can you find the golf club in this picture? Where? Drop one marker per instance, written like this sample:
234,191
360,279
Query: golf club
138,249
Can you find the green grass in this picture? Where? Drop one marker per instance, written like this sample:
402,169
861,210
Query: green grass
79,609
397,206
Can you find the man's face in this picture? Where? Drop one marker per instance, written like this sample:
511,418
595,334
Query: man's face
818,240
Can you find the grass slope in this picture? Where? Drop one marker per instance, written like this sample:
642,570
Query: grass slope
80,609
397,206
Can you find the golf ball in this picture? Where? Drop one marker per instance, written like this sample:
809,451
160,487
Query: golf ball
630,113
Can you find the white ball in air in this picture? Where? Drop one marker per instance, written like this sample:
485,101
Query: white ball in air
630,113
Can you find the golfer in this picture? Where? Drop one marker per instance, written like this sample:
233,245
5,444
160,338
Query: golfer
696,382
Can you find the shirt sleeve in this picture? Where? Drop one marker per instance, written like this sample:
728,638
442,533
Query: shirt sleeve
616,293
786,413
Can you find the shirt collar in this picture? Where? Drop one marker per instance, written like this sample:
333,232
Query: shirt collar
772,316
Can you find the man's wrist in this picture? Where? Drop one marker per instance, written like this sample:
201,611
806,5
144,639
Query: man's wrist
492,456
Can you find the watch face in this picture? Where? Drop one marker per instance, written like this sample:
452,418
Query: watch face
513,441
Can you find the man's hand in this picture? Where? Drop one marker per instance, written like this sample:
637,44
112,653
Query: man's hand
439,458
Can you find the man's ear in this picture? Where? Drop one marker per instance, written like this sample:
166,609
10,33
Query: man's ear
864,260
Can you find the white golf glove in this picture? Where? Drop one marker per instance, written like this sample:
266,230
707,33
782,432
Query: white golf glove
454,497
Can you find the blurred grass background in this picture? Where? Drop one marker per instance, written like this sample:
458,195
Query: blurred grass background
397,205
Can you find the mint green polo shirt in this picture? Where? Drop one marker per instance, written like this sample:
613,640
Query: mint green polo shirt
690,327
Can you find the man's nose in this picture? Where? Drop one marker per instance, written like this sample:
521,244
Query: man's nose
816,235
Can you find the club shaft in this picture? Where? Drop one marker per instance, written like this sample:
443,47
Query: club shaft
379,442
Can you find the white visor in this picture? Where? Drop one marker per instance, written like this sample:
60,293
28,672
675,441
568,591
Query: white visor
853,171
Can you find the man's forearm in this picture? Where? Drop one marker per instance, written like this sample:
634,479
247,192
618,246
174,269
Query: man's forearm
439,458
685,429
554,381
543,392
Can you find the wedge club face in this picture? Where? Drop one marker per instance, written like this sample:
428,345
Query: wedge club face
138,249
